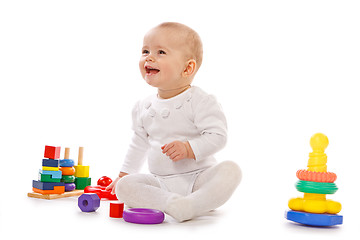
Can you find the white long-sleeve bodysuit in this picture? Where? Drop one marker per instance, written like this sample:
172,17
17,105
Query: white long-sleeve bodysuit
193,116
189,187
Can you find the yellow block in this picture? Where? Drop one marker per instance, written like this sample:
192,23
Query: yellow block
50,168
82,171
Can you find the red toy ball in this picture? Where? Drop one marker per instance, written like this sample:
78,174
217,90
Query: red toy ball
104,181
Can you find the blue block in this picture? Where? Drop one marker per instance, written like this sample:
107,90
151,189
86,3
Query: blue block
54,174
314,219
47,162
46,185
67,163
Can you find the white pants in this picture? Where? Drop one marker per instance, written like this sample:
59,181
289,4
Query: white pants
181,196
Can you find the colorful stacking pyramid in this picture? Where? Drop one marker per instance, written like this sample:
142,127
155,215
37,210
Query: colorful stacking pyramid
315,182
50,176
82,178
68,171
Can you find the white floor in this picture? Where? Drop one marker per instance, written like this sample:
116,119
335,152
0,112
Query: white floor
61,218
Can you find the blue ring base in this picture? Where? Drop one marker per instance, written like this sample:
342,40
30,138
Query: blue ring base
313,219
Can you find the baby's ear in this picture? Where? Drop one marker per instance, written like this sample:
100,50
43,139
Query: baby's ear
189,68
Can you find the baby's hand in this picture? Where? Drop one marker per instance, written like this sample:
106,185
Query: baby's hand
113,184
178,150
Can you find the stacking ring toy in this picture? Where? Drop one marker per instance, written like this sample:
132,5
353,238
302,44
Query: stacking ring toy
305,175
67,163
69,187
143,216
313,219
67,170
68,178
316,187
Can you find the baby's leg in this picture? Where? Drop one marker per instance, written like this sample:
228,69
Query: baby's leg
142,191
212,188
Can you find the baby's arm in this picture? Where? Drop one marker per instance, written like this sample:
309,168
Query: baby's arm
210,121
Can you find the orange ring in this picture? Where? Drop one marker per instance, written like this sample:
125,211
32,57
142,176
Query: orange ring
305,175
67,170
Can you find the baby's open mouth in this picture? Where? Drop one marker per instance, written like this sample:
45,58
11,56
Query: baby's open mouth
151,70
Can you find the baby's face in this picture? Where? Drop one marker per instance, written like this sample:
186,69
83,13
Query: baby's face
163,60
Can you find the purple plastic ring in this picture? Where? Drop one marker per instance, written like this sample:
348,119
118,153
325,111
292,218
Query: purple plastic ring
143,216
69,187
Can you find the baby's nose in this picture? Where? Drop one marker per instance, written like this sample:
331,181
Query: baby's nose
150,58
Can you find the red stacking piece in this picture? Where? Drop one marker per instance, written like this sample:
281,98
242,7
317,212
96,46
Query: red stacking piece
52,152
101,192
116,209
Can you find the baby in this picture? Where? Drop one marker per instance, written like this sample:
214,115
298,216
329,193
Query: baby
178,131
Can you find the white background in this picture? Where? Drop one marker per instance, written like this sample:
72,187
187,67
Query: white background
282,70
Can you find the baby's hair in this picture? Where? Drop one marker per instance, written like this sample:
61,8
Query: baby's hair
191,38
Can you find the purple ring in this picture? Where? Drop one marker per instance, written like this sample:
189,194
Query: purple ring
143,216
69,187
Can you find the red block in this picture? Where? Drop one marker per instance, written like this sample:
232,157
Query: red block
116,210
52,152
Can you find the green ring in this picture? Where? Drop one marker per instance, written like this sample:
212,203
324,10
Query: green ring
316,187
68,178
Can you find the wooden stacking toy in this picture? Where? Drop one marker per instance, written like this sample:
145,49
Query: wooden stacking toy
55,177
315,182
82,178
68,171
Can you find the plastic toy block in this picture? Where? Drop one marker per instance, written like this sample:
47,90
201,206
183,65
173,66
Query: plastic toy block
52,152
54,174
48,178
46,185
313,219
116,209
67,163
50,162
50,168
101,192
81,183
89,202
56,190
67,171
82,171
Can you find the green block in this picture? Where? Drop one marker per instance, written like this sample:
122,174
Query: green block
82,183
68,178
47,178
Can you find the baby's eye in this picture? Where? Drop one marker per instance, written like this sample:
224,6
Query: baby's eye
145,51
162,52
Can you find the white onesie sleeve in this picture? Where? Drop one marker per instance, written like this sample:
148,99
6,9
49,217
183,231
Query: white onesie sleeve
139,145
210,121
